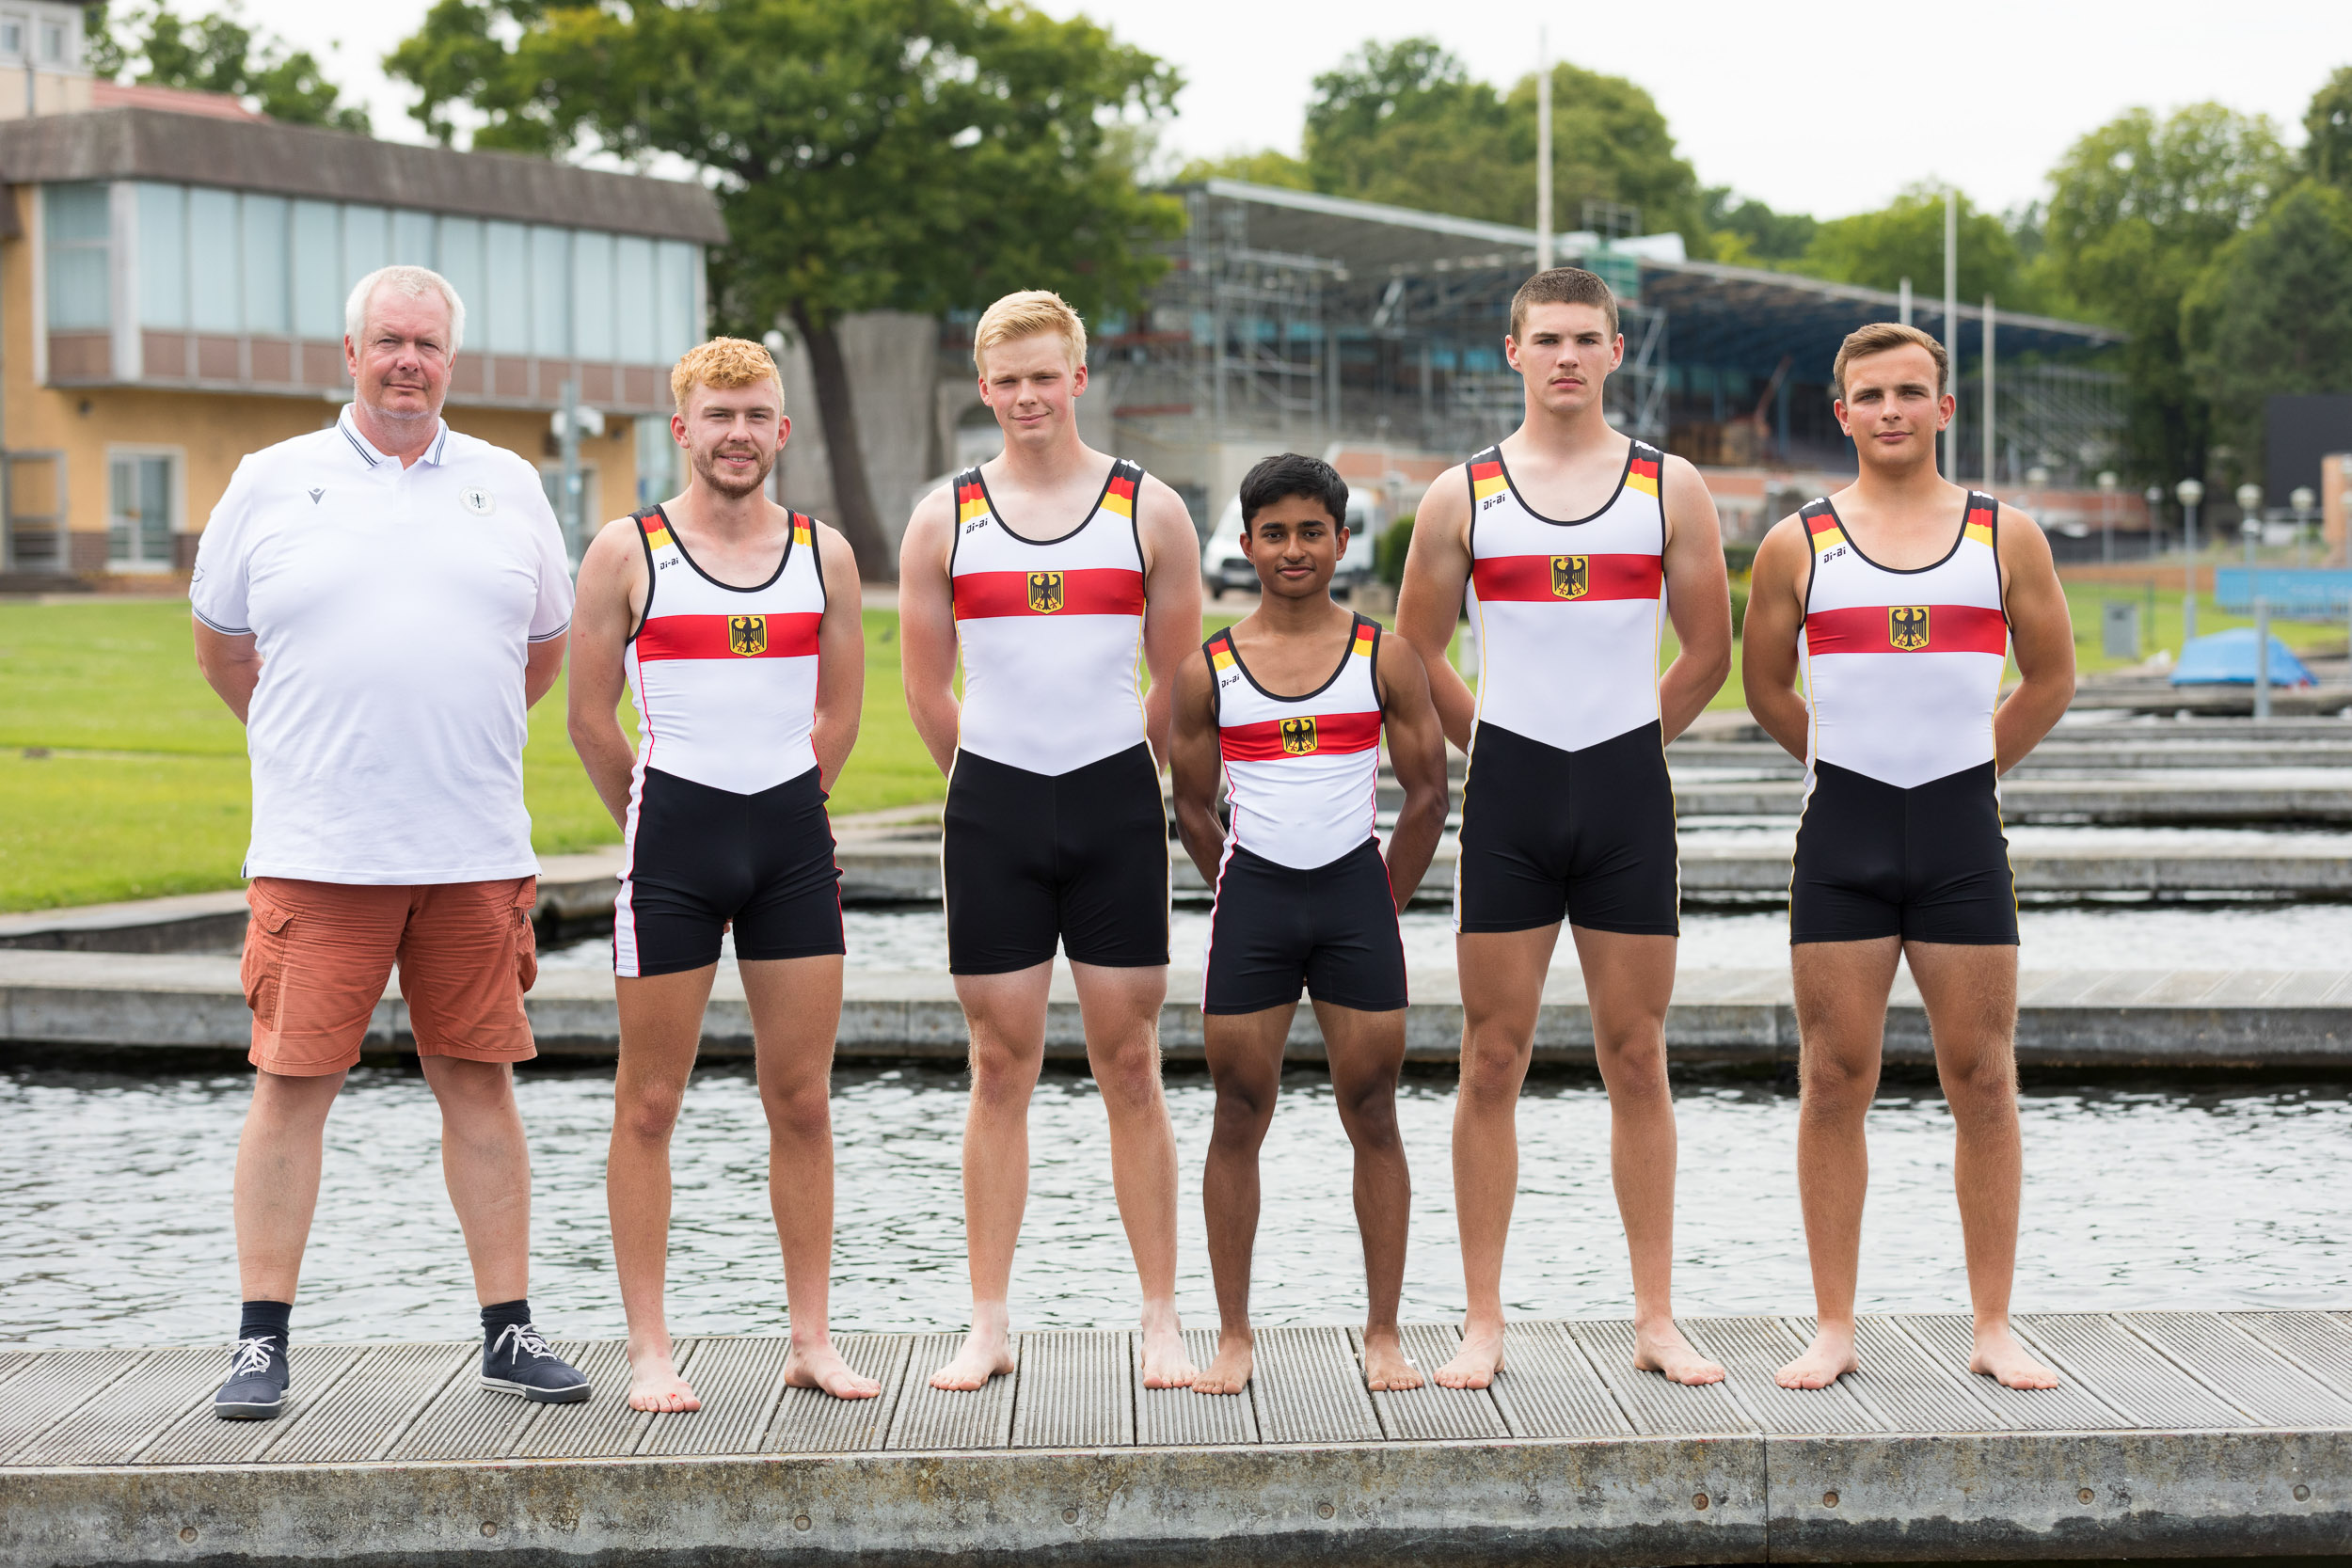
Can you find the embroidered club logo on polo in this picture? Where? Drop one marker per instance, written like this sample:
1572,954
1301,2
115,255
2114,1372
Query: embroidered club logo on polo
1930,715
1049,621
747,635
315,495
1302,775
1579,594
476,501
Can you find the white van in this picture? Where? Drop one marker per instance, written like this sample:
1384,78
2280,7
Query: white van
1223,565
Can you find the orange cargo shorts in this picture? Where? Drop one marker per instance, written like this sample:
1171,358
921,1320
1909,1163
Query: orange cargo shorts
318,955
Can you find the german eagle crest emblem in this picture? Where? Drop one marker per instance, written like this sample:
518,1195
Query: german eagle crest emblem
1045,591
747,635
1299,736
1907,627
1571,575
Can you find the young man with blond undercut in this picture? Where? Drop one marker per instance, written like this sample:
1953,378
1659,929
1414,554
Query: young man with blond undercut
733,623
1900,599
1050,569
1575,543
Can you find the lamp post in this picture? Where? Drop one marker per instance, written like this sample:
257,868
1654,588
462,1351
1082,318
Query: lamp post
2190,492
2107,515
2249,528
2155,519
2302,500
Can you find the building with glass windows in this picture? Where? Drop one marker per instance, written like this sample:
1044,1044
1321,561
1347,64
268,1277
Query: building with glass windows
172,298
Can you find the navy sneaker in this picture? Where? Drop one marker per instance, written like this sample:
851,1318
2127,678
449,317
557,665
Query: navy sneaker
520,1361
260,1380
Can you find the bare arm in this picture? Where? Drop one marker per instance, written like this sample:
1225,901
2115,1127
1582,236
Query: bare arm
1171,603
1417,757
542,662
1768,646
233,665
1195,762
1429,606
927,626
609,598
1698,598
840,657
2041,636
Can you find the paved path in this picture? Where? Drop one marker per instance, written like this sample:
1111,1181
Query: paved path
2173,1433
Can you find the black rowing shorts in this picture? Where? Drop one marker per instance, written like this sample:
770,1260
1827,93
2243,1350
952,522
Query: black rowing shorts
1928,863
700,856
1331,931
1033,858
1587,835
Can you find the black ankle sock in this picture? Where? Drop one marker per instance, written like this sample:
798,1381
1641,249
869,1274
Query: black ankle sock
258,1319
503,1315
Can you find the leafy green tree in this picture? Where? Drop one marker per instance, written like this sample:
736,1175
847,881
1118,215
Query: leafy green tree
914,154
1905,239
1747,231
1264,167
2328,130
1609,143
2273,313
218,52
2138,209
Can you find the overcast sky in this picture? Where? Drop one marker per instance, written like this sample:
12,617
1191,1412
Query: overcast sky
1823,109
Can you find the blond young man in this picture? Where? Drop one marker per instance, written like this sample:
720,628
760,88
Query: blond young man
1570,538
1901,598
1050,569
733,623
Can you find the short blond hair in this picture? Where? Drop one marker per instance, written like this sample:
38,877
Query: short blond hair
1879,337
1031,313
723,364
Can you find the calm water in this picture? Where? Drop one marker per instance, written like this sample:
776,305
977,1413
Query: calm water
115,1227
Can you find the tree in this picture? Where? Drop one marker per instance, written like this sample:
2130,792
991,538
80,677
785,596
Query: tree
2138,209
1264,167
2328,130
2274,313
1745,230
914,154
1905,239
1404,124
217,53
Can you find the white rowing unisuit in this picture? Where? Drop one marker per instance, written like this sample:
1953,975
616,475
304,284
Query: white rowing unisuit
392,607
1051,629
1302,774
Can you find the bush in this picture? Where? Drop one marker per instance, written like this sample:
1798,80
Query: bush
1738,610
1739,556
1389,553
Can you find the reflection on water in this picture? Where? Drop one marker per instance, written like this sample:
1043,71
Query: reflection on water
114,1220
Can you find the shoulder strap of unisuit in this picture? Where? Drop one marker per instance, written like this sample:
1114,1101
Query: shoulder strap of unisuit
653,533
1219,649
1983,516
1487,477
1642,466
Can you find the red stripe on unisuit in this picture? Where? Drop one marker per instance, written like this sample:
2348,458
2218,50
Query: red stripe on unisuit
1093,591
1823,523
1952,628
711,637
1335,732
1501,578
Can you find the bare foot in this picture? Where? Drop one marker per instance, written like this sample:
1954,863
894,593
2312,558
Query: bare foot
987,1353
1236,1358
1475,1364
2000,1355
1664,1350
1385,1366
819,1365
654,1382
1165,1364
1829,1357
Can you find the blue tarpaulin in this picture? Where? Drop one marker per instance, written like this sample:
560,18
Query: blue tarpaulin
2227,659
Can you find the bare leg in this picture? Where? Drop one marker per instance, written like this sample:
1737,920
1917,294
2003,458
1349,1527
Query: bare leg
662,1019
1245,1051
1971,995
1007,1017
485,1163
1629,981
1841,1026
1503,987
1121,1012
796,1013
278,1157
1367,1052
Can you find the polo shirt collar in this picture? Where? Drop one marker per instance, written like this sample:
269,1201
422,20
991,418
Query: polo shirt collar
375,459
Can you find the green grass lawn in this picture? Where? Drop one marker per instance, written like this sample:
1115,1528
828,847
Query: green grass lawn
142,790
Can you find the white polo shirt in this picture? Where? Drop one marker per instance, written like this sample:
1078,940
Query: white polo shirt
392,609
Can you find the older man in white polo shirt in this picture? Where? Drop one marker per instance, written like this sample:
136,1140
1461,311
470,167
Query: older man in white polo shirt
380,602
